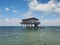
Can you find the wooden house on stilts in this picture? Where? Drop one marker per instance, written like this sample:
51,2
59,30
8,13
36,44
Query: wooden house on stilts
30,22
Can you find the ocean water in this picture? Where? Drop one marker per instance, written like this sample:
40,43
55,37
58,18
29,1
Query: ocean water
16,35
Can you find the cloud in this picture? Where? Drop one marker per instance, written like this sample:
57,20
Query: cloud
10,22
42,16
52,22
15,20
15,11
28,14
7,20
48,7
57,10
6,8
58,4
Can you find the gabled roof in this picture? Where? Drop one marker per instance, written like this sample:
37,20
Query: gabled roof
30,19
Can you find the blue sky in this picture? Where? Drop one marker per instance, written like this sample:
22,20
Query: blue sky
13,11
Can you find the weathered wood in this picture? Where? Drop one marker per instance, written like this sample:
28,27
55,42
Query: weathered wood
30,21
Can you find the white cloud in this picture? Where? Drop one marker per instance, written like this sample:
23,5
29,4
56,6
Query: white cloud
7,20
57,10
28,14
15,20
15,11
58,4
42,16
6,8
52,22
48,7
10,22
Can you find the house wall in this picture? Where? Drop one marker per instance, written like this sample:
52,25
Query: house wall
30,21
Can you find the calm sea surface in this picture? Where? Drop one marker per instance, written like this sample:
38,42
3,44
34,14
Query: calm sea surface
15,35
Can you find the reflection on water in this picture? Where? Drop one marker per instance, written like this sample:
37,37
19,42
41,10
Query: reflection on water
17,36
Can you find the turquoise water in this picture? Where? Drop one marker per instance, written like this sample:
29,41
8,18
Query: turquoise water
15,35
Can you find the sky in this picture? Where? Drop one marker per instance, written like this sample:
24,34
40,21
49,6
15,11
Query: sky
13,11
